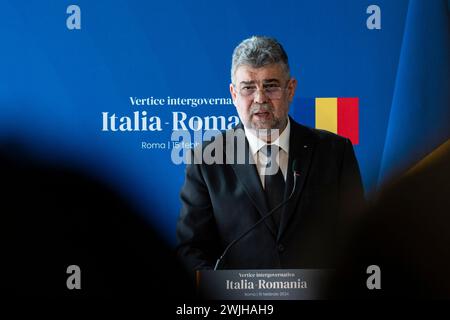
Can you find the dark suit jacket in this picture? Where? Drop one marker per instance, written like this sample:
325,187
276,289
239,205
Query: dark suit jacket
221,201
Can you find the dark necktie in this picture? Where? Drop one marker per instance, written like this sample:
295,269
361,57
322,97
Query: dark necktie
274,183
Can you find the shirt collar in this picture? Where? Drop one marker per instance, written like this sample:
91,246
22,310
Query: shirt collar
282,141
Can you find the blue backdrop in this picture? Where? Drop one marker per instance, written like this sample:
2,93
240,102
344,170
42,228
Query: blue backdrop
55,83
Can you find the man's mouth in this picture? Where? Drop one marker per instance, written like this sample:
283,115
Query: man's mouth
262,114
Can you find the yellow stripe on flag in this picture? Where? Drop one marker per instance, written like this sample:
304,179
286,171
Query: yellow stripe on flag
326,114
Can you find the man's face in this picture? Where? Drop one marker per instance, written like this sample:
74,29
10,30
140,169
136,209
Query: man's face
262,96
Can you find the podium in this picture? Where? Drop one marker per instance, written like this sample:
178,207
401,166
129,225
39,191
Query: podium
265,284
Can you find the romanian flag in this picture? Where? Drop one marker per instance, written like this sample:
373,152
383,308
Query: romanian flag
337,115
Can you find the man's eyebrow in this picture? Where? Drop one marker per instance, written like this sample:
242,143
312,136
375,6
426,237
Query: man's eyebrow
264,81
248,82
271,80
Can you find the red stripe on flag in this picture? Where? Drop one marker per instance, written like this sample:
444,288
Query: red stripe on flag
348,115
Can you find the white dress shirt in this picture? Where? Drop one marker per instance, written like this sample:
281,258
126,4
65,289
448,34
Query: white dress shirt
260,159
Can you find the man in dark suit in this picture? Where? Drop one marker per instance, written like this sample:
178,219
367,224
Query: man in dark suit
220,201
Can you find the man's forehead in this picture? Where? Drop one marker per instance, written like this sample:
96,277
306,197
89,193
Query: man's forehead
273,72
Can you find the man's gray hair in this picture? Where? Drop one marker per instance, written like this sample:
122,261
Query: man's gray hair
259,51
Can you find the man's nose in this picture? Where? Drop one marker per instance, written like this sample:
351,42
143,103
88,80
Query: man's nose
260,96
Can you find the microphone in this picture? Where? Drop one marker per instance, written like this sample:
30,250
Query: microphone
296,172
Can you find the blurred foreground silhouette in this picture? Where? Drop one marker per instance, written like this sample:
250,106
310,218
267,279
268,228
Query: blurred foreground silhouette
406,232
53,217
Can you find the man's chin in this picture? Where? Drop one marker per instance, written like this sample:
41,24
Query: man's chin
264,125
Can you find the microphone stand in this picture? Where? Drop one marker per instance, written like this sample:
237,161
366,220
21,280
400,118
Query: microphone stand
296,174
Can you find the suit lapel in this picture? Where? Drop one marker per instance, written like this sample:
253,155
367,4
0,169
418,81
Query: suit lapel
301,147
247,175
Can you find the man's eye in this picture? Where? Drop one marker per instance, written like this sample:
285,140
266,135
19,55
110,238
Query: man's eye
248,88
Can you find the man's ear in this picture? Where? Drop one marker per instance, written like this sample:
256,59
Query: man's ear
233,94
291,88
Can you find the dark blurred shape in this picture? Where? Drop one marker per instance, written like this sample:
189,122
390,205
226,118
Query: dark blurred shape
406,232
53,217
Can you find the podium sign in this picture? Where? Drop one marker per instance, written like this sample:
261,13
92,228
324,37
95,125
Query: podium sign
269,284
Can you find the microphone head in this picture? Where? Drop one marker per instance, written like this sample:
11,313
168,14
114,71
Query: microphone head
296,167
